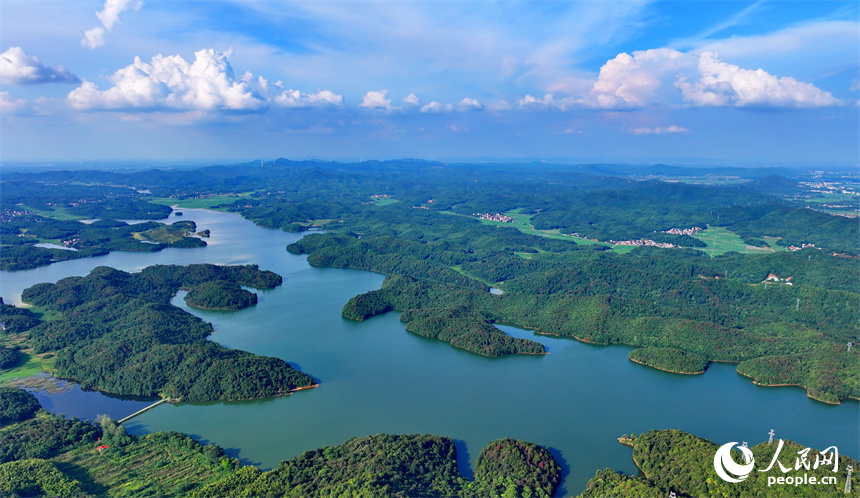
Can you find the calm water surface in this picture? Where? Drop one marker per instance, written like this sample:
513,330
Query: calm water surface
376,377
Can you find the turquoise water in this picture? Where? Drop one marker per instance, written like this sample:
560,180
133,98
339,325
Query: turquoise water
376,377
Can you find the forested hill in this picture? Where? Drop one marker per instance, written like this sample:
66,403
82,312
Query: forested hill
707,309
400,465
118,332
567,198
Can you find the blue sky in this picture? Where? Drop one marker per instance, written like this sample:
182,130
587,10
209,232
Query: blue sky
739,82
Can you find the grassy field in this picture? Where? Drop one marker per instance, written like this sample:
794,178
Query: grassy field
721,240
33,364
522,222
771,241
204,203
58,213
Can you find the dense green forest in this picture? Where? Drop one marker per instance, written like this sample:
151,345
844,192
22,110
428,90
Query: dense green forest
63,197
16,404
74,239
220,295
118,332
400,465
9,357
674,461
15,320
707,309
670,359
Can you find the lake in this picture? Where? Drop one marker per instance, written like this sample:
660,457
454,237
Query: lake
376,377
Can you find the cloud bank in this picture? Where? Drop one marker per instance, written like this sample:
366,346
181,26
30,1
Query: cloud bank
207,84
19,68
667,76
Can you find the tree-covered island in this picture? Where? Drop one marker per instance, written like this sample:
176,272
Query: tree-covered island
117,332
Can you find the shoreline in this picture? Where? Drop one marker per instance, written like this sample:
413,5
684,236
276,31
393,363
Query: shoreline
806,389
663,369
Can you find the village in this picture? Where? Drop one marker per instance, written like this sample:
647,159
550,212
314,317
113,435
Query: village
642,242
494,217
683,231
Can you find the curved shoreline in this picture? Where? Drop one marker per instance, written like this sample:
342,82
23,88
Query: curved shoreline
754,381
663,369
216,309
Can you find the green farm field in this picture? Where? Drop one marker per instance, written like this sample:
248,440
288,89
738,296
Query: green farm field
721,241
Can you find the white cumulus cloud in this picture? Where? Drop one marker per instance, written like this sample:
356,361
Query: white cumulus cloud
295,98
437,108
633,80
376,100
667,76
206,84
722,84
109,16
169,82
468,104
411,101
19,68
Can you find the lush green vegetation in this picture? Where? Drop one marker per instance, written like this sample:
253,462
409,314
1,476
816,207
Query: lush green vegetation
51,455
400,465
9,357
16,404
118,333
64,198
15,320
511,468
440,312
220,295
45,436
670,359
681,300
811,369
674,461
159,464
74,239
647,297
35,477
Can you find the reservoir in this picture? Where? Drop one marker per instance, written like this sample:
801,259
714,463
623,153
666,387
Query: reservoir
376,377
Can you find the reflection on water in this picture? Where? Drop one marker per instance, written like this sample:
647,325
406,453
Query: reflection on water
68,399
